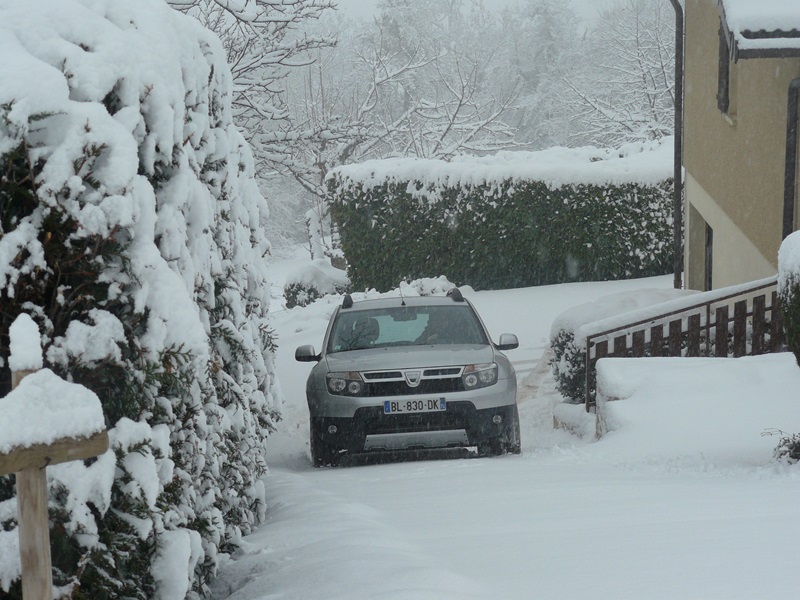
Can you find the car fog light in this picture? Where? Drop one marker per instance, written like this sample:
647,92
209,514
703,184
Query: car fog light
497,419
332,429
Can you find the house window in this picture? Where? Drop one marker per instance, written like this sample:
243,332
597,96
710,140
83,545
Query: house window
708,275
724,73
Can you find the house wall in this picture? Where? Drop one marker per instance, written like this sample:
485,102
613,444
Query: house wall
736,258
735,162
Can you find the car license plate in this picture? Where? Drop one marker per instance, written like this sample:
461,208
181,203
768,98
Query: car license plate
399,407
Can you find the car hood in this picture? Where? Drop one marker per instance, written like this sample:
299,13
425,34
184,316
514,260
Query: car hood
408,357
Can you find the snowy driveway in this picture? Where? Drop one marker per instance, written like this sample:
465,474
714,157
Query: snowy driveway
537,526
566,519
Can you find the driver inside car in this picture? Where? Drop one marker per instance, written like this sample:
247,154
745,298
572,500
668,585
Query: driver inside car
443,327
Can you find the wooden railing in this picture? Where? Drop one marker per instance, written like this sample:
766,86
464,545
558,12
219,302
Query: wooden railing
735,321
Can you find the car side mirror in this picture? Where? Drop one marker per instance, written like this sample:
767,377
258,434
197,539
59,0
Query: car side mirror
508,341
306,354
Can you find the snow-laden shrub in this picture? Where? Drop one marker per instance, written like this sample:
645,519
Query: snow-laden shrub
427,286
303,294
569,366
789,290
312,281
131,230
788,448
569,346
511,220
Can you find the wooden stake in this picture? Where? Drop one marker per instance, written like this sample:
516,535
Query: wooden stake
34,534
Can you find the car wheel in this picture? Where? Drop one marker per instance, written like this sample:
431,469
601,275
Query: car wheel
322,453
507,442
490,448
513,444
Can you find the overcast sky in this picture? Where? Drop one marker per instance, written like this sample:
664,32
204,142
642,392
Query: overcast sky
585,8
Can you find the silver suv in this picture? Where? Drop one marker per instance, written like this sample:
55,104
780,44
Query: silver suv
400,374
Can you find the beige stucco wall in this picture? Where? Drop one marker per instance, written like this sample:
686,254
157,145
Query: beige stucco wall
694,264
736,160
735,258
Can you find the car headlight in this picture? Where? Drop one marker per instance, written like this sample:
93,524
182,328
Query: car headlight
479,376
345,384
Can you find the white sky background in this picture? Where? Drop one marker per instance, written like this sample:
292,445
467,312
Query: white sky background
585,8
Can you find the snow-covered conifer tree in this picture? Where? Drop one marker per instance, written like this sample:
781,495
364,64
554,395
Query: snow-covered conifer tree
132,232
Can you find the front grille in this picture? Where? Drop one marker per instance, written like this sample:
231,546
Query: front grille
426,386
435,380
443,372
383,375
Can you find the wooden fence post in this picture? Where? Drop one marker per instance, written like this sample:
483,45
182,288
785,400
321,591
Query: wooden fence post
759,323
721,332
740,328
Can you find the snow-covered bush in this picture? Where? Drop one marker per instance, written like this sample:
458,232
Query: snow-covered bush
313,280
510,220
427,286
788,448
569,346
789,290
789,293
131,230
569,366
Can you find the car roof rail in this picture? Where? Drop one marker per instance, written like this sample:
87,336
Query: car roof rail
348,301
455,294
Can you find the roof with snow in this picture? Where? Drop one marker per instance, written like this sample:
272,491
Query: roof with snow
764,29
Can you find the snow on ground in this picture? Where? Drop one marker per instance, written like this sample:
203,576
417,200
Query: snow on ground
714,411
641,513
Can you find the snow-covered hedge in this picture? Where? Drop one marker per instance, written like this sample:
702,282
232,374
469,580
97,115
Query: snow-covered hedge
789,290
132,232
510,220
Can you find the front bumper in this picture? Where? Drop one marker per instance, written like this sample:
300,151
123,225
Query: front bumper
461,425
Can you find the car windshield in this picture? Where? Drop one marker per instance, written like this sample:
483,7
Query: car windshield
405,326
